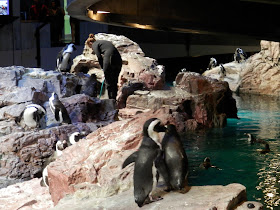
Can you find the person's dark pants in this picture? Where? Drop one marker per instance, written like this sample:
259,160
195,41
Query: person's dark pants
112,66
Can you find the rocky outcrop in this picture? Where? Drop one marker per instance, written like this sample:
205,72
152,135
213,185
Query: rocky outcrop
197,197
138,72
195,102
95,163
259,74
24,150
25,195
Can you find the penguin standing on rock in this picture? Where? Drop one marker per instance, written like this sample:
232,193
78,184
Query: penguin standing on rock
213,63
175,158
146,160
239,55
63,58
58,109
32,115
59,147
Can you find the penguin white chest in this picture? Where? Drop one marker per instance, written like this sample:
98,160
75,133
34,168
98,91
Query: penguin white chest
28,117
64,63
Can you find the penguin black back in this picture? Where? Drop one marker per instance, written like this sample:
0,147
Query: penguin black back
144,178
175,157
59,110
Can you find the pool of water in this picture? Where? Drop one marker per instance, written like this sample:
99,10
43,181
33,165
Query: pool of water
239,161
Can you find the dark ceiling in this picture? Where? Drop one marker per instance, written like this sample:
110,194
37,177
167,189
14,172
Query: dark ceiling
252,18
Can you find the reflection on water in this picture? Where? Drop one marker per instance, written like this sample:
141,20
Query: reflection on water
240,161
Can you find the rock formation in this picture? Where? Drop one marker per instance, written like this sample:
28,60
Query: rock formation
259,74
138,72
95,163
24,150
195,102
197,197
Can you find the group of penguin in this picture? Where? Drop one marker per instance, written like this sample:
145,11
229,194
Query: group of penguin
34,113
154,157
59,147
238,56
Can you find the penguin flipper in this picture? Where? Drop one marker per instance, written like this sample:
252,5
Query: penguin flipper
162,170
130,159
56,114
18,119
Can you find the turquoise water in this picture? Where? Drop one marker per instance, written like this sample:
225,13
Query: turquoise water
241,162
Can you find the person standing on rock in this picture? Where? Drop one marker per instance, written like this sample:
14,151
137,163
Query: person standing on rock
110,61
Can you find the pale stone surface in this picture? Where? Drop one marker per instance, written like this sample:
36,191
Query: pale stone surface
25,196
233,74
197,198
259,74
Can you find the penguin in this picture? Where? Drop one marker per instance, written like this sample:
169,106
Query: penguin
31,115
239,55
91,86
175,158
207,164
63,58
145,173
212,63
252,139
59,147
223,70
58,109
76,136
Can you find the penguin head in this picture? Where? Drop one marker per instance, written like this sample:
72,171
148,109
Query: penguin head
60,146
207,160
72,46
76,136
54,95
171,129
152,128
207,163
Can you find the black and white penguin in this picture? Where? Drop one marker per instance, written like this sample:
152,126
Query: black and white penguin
222,70
32,115
63,58
59,147
146,160
252,139
207,164
213,63
91,87
58,109
76,136
239,55
175,158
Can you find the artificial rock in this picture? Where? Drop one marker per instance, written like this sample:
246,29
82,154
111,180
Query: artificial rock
259,74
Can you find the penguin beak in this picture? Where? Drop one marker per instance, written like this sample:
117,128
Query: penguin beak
160,128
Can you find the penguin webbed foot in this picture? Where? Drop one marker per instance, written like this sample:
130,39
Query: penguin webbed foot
153,199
